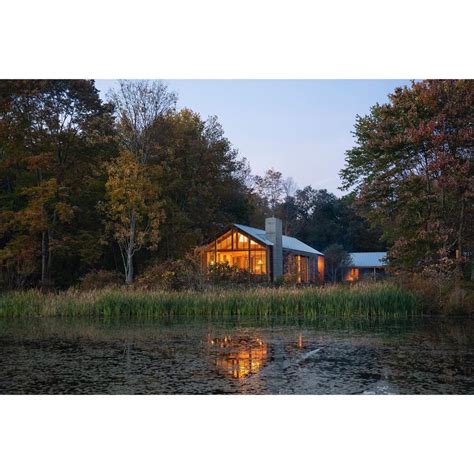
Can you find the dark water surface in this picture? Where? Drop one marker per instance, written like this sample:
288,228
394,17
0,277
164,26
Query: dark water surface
433,356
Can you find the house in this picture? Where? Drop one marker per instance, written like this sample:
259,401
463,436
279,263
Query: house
366,264
265,252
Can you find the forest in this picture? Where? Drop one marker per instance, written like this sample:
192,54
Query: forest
93,189
77,174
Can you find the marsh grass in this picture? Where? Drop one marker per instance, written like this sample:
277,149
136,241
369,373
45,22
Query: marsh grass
363,303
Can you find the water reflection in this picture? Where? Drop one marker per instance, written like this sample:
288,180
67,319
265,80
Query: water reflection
54,356
239,358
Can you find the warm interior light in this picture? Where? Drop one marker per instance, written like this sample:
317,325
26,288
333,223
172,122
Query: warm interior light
240,358
352,274
242,238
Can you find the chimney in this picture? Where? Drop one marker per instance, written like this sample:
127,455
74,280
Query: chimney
273,232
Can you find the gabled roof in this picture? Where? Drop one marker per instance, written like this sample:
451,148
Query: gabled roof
288,243
258,234
368,259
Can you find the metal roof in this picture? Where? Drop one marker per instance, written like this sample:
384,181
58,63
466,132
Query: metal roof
288,243
259,234
368,259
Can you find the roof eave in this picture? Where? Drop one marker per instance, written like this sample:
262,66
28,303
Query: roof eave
302,252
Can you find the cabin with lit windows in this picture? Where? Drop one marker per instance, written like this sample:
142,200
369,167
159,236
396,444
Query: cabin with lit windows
365,265
266,253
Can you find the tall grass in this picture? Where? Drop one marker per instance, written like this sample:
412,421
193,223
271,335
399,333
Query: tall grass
375,302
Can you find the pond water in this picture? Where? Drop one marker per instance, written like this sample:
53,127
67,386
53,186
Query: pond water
433,356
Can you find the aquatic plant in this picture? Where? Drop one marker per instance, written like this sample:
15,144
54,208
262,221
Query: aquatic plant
363,303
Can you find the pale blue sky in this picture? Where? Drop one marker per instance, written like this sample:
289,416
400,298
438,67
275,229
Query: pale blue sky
300,127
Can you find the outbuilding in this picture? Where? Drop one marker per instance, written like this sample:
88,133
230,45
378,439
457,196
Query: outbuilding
366,264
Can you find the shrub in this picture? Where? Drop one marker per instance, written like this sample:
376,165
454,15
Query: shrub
97,280
440,294
223,275
183,274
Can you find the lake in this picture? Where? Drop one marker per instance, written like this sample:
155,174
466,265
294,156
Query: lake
59,356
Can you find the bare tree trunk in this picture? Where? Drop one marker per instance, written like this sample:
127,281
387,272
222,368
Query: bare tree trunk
459,250
44,258
130,250
50,257
129,275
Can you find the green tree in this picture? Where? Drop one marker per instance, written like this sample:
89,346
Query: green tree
321,219
201,182
336,261
271,187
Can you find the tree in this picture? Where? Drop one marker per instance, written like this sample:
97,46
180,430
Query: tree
53,135
411,172
321,219
134,215
271,187
200,179
336,261
138,105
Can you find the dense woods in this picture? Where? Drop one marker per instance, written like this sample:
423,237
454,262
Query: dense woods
118,186
122,185
55,137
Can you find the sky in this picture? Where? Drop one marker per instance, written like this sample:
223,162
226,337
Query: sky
299,127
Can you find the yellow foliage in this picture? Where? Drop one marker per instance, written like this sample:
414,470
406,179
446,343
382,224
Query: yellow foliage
132,206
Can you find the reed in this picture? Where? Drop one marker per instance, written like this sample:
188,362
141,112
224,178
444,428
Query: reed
365,303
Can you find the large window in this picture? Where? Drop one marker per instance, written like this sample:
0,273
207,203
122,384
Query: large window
321,269
258,262
302,269
352,274
297,266
238,250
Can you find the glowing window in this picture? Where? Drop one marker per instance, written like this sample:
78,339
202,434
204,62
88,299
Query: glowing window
241,240
258,262
256,246
225,242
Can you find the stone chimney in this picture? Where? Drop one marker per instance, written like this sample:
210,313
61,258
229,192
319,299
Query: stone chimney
273,232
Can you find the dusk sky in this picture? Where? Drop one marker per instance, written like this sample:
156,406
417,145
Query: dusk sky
299,127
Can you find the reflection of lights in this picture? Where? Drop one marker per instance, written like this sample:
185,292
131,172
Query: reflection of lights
300,341
246,356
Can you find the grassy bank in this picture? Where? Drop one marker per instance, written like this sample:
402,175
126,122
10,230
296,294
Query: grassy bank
376,302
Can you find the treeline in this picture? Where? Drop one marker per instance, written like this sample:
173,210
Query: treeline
88,185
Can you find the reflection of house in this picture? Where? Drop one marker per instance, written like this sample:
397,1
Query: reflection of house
366,264
267,252
240,358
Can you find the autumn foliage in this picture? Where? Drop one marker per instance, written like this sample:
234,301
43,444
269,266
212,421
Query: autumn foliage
412,173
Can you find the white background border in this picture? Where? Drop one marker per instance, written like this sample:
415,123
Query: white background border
179,39
245,39
232,434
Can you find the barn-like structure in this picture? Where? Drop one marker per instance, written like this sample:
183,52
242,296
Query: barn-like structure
366,264
266,253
